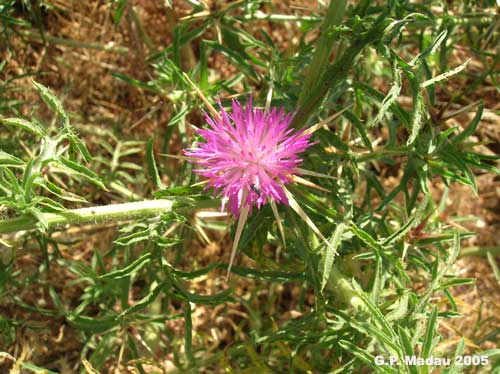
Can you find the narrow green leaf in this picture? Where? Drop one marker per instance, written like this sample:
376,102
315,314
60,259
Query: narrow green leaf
455,368
25,125
391,97
366,357
494,266
444,76
431,49
235,58
471,128
52,102
36,369
133,238
53,206
30,181
153,170
400,308
134,267
62,194
395,107
55,298
188,333
7,160
417,216
203,66
408,349
360,128
377,281
366,238
214,299
456,282
119,11
82,171
144,302
79,145
430,332
330,252
43,223
148,86
418,108
179,116
93,324
11,179
376,314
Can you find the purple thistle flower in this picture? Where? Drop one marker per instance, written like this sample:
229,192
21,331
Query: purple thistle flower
249,154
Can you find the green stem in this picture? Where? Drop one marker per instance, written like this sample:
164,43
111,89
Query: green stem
335,73
94,215
343,289
320,60
278,18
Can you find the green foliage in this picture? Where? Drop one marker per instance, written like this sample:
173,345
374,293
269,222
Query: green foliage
358,298
22,183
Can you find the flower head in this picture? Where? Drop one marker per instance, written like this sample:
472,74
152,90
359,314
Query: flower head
249,154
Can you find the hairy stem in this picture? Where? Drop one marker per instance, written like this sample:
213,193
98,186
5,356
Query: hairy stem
95,214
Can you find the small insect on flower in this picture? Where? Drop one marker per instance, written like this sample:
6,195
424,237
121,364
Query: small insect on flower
255,189
248,157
